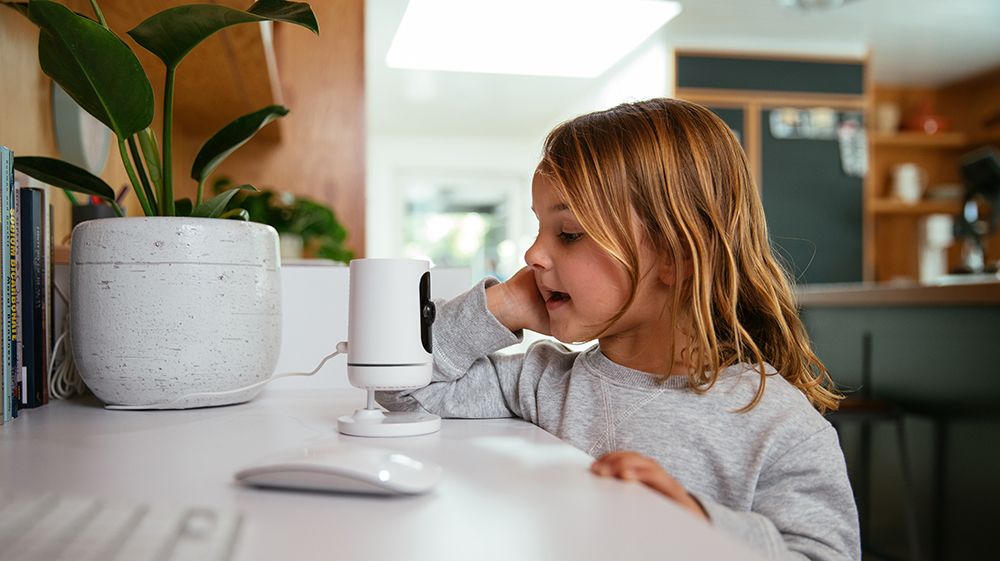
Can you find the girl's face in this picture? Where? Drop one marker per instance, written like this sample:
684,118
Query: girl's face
584,287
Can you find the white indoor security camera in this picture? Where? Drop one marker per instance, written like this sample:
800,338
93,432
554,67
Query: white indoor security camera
389,342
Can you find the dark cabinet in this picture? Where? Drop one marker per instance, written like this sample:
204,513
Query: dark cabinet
813,208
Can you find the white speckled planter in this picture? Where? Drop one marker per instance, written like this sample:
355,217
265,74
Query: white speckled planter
166,306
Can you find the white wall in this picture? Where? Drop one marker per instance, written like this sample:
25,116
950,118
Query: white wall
314,310
646,72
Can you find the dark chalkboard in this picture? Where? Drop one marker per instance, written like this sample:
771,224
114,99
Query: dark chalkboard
697,71
813,208
733,118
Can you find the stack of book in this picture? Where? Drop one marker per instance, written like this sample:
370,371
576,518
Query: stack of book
27,291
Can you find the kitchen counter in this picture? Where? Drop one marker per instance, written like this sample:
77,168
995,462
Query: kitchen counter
951,290
931,350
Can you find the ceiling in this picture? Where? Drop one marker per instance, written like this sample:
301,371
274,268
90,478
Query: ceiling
912,42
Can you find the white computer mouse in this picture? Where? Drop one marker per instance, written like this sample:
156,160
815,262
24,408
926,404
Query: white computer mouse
344,469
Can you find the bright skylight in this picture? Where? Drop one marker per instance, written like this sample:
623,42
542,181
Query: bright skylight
580,38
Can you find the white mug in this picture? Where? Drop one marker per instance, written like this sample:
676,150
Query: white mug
887,117
908,181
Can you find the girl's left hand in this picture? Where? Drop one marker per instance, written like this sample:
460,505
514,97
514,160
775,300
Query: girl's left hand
631,466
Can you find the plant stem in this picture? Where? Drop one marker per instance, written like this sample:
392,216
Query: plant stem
100,15
151,154
118,209
71,197
151,197
201,186
135,181
167,197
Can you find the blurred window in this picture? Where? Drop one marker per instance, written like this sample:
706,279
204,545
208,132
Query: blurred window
460,223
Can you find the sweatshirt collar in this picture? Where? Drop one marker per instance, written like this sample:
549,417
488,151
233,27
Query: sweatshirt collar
624,376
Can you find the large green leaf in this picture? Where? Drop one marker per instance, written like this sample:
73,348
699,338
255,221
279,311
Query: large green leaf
94,66
236,214
65,175
231,137
214,206
298,13
172,33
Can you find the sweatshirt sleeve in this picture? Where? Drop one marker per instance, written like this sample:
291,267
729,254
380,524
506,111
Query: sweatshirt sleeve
468,381
803,506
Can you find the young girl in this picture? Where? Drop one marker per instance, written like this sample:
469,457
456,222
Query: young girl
702,385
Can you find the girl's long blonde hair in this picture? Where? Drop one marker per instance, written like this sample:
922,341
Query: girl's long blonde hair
678,169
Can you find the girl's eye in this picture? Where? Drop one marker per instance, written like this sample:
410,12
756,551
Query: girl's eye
570,237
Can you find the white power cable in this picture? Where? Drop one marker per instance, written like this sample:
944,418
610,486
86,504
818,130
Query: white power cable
64,380
341,349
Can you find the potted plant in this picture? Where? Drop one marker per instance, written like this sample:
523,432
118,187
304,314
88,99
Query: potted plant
178,301
306,228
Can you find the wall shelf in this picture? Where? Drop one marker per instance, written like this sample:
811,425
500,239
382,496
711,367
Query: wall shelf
912,139
894,206
977,139
892,227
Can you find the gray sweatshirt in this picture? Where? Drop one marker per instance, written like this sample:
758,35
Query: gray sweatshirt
773,477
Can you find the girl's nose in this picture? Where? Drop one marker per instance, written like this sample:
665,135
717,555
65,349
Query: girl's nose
536,257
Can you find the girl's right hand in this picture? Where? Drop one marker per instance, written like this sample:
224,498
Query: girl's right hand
517,304
634,466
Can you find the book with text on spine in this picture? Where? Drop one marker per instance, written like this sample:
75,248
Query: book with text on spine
20,180
47,308
32,293
6,202
13,283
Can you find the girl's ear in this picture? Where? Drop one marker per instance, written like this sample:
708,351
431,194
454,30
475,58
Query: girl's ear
667,272
671,272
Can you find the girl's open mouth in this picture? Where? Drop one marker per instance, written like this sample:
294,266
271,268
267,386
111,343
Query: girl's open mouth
556,299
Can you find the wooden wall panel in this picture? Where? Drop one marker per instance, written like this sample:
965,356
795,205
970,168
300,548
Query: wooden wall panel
975,104
25,109
25,119
222,78
320,151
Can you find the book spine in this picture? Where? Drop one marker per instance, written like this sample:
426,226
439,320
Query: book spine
46,292
38,296
6,180
29,255
14,286
20,390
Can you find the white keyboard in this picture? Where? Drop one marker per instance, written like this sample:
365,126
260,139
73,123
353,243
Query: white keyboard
53,527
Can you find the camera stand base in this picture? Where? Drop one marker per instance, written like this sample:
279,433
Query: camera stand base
378,423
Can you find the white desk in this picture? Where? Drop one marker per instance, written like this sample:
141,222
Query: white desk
511,490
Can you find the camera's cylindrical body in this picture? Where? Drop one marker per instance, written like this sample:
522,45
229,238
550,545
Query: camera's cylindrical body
389,324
